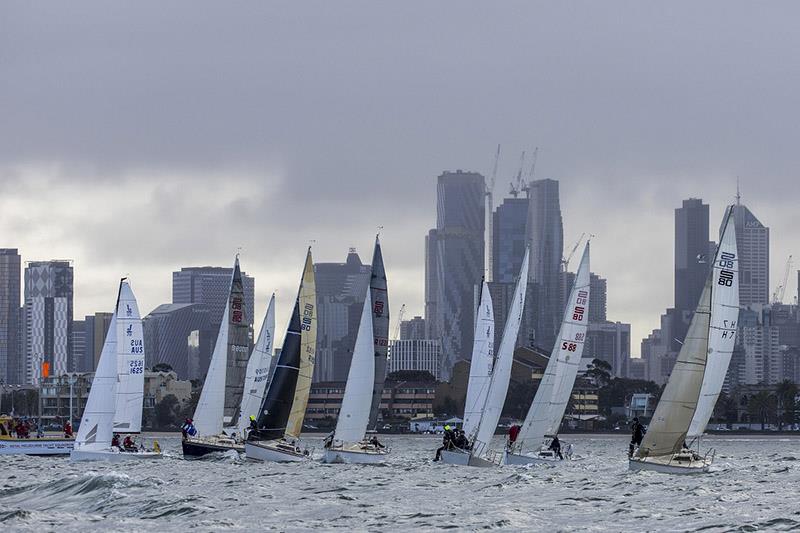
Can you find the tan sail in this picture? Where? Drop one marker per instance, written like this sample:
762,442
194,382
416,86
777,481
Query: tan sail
308,348
670,424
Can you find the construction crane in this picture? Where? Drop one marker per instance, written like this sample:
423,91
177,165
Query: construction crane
780,290
565,261
489,209
517,184
396,332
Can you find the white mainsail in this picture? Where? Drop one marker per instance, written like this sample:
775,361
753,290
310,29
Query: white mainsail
552,396
670,423
722,333
130,363
97,423
501,373
354,414
258,367
480,368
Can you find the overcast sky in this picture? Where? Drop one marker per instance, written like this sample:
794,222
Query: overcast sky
136,137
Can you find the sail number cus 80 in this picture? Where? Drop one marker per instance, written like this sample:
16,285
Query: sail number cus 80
726,262
308,315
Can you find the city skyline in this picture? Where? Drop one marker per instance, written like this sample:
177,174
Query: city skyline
625,154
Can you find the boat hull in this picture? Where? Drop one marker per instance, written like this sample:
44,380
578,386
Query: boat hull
44,446
699,466
198,447
112,456
273,451
514,459
352,456
462,458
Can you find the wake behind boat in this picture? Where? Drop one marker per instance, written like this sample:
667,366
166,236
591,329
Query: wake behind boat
664,447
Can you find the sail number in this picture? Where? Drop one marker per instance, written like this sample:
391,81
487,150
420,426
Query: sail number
308,314
236,305
136,346
136,367
580,305
569,346
725,275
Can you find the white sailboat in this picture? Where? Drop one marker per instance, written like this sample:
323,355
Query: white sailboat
94,440
547,410
479,453
664,447
349,444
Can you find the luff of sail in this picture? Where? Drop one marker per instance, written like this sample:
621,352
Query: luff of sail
308,348
480,367
501,374
257,377
722,332
354,413
97,422
380,328
673,415
552,396
130,363
237,342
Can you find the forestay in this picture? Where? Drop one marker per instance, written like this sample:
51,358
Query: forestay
501,373
722,333
480,368
552,396
255,382
354,414
130,363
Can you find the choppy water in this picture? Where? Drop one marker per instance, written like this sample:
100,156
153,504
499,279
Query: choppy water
753,485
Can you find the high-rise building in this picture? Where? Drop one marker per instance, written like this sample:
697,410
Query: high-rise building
508,239
598,295
545,233
455,257
415,354
182,336
211,287
692,261
48,318
413,329
341,288
610,342
95,330
752,243
10,358
79,347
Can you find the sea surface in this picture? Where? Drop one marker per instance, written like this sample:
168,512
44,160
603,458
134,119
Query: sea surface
754,485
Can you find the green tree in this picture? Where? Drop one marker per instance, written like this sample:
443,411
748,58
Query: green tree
167,411
786,397
599,372
762,407
162,367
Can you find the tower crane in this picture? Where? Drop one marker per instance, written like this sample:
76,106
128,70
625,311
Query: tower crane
517,184
780,290
396,332
565,261
489,209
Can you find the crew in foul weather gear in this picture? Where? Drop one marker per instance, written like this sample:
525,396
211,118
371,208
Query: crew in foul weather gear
328,441
67,430
115,440
555,447
188,429
253,424
513,433
374,442
447,442
637,434
128,445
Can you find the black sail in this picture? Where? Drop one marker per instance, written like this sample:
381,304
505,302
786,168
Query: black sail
277,405
380,329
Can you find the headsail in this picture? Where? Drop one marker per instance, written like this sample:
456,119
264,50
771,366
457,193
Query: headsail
670,423
480,367
130,363
255,382
552,396
380,328
97,423
722,333
501,374
354,413
308,348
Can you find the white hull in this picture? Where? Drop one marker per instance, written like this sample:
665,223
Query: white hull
44,446
464,459
513,459
667,466
113,455
274,451
355,456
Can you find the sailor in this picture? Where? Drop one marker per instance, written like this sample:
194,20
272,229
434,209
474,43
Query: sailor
461,439
375,443
67,430
637,434
115,440
128,444
513,433
328,441
447,442
555,446
253,424
187,429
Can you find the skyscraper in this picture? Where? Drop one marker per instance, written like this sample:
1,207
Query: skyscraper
455,256
692,258
211,287
545,234
48,318
508,241
752,243
95,329
341,288
182,336
10,363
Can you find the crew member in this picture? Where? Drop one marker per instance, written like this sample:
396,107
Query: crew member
115,440
187,429
128,444
447,442
637,434
253,424
555,446
374,442
67,430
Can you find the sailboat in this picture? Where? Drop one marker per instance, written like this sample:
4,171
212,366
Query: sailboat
349,444
380,329
216,414
279,421
663,448
544,416
488,409
124,342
